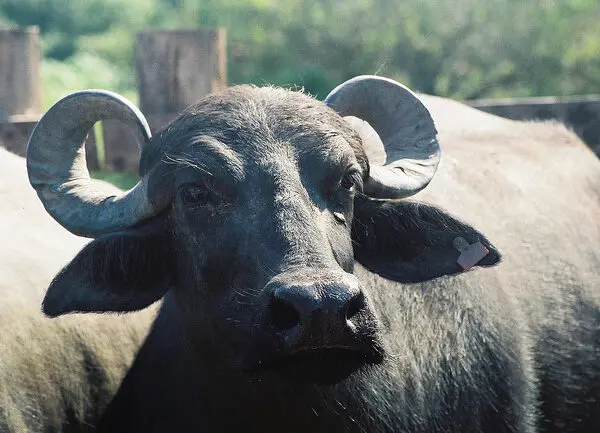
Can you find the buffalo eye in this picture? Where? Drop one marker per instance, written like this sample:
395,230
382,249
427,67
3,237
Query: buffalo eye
342,198
195,195
347,183
351,181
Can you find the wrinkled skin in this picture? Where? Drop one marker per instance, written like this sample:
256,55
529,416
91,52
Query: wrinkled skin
265,193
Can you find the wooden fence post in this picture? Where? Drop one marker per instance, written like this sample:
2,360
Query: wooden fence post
20,91
174,69
20,104
581,113
19,72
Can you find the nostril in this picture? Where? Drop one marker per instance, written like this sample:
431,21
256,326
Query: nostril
355,305
284,315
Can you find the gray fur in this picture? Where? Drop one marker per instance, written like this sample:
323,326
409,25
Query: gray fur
57,375
510,346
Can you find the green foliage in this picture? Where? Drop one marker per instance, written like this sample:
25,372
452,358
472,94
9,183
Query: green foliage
82,71
458,48
124,181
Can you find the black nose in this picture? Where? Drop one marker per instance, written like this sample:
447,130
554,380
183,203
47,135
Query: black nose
319,314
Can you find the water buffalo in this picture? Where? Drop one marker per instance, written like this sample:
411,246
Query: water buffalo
55,375
304,291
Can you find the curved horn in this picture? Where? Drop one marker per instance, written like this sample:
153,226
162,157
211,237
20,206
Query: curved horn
405,127
58,172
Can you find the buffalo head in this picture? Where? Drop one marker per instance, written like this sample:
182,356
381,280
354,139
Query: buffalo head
252,207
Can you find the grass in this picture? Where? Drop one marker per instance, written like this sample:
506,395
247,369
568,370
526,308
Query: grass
121,180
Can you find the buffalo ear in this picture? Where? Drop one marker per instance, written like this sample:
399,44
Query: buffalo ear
118,272
412,242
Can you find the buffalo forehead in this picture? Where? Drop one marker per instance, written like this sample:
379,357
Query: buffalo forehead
257,129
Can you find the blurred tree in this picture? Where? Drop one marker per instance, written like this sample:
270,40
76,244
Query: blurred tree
456,48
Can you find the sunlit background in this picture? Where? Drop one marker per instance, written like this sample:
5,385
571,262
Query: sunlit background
464,49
